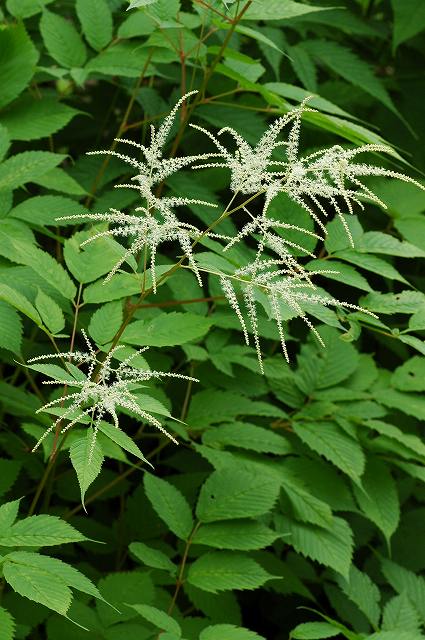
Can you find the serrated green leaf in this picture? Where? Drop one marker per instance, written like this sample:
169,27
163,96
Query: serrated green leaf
404,581
96,20
360,589
50,312
378,242
314,631
87,459
26,167
228,631
399,613
379,499
224,571
168,329
170,505
62,40
332,548
247,436
390,303
158,618
29,118
8,514
235,493
19,302
59,180
43,210
329,441
121,439
345,272
11,328
409,19
410,376
7,625
413,404
39,531
152,557
242,535
9,471
18,57
370,263
105,322
276,10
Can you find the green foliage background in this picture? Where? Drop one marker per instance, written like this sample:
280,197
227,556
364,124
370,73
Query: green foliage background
294,503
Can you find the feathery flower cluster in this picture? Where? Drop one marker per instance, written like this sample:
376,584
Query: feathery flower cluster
103,391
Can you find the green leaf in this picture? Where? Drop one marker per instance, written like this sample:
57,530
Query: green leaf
314,631
26,167
247,436
152,557
29,118
379,499
399,613
11,329
120,590
59,180
96,21
329,441
360,589
43,210
278,10
413,404
170,505
228,631
406,582
38,585
377,242
105,322
410,376
349,66
18,57
25,8
39,531
167,329
9,471
412,442
62,40
121,439
87,459
158,618
303,66
19,302
235,493
123,59
8,514
370,263
409,20
50,312
7,625
224,571
391,303
242,535
345,272
330,547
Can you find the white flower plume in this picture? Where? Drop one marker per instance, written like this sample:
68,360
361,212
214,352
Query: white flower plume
103,391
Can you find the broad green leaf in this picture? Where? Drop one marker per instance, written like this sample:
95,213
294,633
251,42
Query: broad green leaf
224,571
400,613
32,118
235,493
87,459
96,20
8,514
19,302
303,65
168,329
247,436
47,267
39,531
61,570
26,8
152,557
278,10
370,263
59,180
241,535
62,40
158,618
314,631
18,57
5,142
329,441
105,322
38,585
345,272
408,440
124,59
7,625
377,242
135,4
43,210
360,589
121,590
26,167
410,376
121,439
413,404
379,499
11,329
228,631
409,20
391,303
9,471
50,312
406,582
170,505
349,66
332,548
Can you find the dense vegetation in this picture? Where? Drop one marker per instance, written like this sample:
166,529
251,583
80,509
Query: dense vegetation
212,376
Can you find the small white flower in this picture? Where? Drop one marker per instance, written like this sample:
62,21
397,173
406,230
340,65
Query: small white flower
103,391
